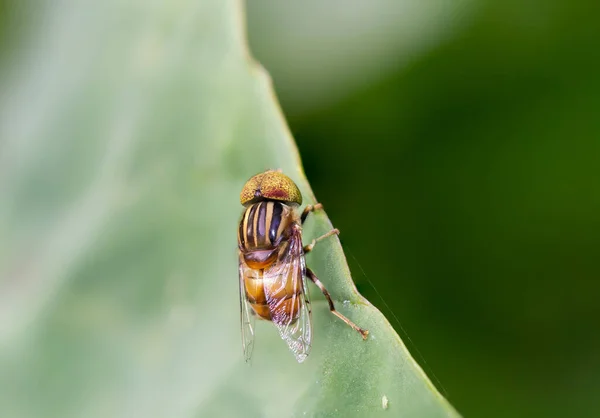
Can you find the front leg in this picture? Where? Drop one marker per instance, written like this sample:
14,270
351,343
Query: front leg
309,209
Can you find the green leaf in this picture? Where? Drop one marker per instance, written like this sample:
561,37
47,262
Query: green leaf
128,131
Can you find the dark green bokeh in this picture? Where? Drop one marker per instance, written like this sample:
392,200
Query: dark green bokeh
468,188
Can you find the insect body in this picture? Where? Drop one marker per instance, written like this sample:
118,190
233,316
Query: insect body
272,271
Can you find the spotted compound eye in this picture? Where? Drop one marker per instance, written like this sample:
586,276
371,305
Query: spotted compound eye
270,185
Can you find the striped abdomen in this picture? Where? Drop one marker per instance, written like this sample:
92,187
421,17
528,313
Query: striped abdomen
274,293
263,225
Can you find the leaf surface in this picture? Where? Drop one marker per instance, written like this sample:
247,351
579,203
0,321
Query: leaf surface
128,130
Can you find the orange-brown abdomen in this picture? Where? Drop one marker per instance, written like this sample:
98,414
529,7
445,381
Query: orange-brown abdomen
273,294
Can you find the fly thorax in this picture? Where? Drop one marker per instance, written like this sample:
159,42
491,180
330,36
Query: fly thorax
264,225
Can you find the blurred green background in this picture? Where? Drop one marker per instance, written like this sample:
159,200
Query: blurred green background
457,147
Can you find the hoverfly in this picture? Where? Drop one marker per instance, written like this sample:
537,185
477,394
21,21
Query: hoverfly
272,270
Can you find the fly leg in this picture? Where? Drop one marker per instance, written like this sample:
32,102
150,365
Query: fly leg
308,248
309,209
315,280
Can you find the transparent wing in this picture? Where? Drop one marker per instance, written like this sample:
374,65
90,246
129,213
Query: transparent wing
247,317
288,300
